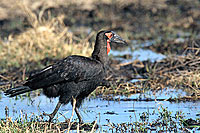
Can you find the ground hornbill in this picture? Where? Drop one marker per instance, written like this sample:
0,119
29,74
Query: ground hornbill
73,77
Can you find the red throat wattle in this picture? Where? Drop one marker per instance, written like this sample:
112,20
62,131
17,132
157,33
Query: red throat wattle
109,35
108,46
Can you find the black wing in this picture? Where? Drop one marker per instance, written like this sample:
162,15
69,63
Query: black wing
72,68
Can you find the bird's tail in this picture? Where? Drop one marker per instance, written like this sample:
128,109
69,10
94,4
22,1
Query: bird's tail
17,90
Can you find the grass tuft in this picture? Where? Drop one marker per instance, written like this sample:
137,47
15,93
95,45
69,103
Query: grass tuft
45,38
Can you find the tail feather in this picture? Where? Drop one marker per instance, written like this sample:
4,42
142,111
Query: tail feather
18,90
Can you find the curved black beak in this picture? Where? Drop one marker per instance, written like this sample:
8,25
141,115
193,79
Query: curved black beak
117,39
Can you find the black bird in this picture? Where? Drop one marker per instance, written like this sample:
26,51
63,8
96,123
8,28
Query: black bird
74,76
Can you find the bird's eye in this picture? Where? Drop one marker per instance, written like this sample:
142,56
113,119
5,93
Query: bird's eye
109,35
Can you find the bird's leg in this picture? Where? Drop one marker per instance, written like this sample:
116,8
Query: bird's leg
74,105
79,115
51,116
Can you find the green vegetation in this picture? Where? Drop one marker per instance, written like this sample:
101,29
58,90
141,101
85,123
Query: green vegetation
164,122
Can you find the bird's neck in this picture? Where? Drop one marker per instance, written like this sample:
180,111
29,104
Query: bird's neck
100,50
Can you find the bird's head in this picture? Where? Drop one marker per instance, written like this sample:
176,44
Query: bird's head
104,40
112,37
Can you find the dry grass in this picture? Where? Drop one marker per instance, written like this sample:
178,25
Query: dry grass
177,71
23,125
46,38
9,8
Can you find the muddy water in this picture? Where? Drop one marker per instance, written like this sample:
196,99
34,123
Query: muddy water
102,110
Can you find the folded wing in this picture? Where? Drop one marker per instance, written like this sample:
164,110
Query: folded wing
72,68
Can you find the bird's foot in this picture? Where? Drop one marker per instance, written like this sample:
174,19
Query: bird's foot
51,116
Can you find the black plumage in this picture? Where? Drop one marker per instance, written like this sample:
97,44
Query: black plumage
75,76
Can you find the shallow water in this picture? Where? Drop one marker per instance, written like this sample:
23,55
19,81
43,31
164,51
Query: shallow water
102,110
137,52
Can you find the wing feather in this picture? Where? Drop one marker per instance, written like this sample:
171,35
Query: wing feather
72,68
